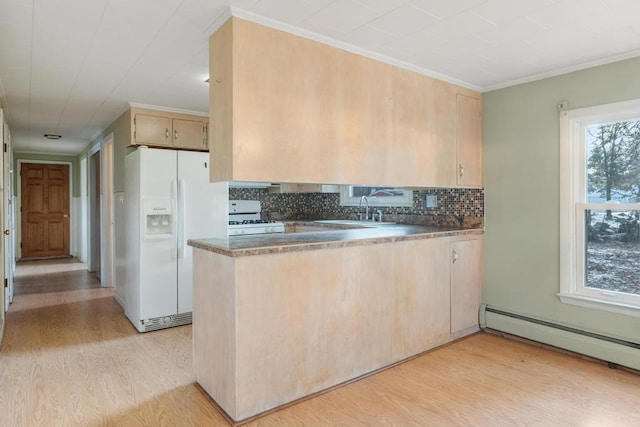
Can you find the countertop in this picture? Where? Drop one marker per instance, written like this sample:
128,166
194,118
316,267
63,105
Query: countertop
260,244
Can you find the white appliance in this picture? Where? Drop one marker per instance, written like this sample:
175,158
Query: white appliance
245,218
168,199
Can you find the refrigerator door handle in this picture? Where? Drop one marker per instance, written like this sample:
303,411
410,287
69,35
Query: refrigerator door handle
174,196
182,188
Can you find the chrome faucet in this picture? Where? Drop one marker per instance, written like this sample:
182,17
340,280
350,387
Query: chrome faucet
366,212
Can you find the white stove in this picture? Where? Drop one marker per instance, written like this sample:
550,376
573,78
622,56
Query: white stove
244,218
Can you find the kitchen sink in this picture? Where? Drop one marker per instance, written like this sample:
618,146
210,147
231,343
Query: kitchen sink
317,226
360,223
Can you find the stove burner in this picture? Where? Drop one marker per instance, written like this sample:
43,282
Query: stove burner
252,221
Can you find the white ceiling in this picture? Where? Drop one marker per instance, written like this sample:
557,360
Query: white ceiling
70,67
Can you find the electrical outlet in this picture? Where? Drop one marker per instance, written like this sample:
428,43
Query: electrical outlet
432,201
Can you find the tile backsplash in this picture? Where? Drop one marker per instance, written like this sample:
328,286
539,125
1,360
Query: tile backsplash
456,207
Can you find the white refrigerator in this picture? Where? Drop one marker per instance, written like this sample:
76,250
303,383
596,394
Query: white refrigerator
167,200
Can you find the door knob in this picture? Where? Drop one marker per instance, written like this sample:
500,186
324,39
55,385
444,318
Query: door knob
6,232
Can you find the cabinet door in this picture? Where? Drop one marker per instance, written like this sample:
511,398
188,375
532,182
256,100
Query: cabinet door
423,149
189,134
421,295
152,129
466,283
469,141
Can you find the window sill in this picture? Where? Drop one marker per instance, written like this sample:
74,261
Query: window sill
613,307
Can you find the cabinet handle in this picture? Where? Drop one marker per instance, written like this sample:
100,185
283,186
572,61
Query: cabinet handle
460,169
454,256
175,134
166,133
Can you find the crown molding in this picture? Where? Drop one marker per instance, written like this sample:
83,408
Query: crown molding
562,71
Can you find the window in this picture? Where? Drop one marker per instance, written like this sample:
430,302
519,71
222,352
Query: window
351,195
600,207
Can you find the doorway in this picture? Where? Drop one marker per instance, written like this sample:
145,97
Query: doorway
100,211
107,221
44,210
8,225
95,214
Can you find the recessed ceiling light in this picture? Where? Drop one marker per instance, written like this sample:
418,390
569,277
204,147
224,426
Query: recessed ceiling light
52,136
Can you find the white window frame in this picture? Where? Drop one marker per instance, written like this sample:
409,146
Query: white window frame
573,160
347,199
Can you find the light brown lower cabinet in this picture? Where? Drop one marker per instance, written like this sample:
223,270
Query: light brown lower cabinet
420,287
269,329
466,283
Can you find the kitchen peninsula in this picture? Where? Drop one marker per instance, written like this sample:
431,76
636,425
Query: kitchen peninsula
280,317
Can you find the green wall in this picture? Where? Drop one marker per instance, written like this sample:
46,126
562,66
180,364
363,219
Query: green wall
521,178
75,168
121,139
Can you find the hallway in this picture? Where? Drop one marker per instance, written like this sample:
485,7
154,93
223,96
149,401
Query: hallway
71,358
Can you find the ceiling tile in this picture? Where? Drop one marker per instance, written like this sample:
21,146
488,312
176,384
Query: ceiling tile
564,12
459,26
500,11
242,4
382,6
344,16
404,20
289,11
462,48
445,9
413,43
518,29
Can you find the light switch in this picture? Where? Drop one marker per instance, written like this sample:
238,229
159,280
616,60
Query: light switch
432,201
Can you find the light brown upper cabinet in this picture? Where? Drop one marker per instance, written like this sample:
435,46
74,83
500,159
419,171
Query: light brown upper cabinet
469,141
422,151
152,129
166,129
189,133
284,108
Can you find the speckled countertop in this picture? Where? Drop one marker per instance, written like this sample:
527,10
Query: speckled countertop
335,237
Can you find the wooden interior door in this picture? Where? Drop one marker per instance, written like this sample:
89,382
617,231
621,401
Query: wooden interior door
45,210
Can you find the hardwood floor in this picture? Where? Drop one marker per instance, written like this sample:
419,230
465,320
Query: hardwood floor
70,358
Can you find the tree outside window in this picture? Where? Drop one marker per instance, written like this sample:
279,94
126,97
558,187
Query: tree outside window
613,175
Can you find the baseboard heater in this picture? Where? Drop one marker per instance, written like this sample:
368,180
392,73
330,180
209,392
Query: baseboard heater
606,348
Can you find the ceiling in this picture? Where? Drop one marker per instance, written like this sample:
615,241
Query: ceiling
70,67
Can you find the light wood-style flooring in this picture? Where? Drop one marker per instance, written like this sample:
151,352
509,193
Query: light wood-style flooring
70,358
